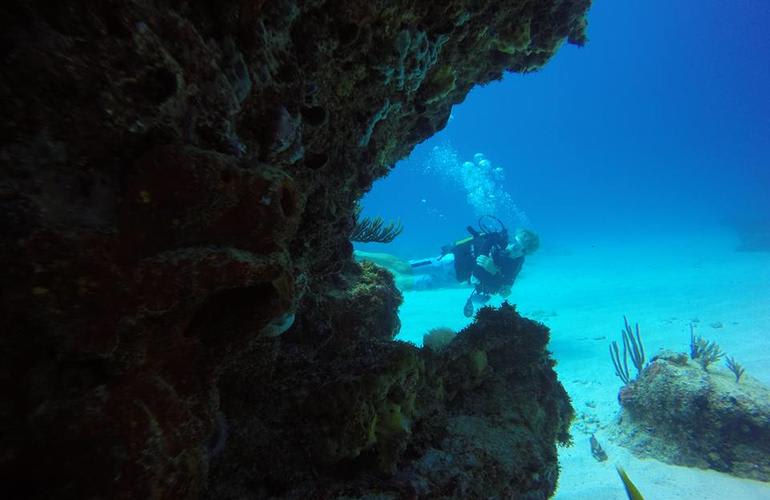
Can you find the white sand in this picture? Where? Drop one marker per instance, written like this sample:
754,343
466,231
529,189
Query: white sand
582,293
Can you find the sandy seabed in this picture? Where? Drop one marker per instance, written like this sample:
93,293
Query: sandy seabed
582,293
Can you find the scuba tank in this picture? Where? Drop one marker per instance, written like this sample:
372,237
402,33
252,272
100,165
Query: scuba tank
483,240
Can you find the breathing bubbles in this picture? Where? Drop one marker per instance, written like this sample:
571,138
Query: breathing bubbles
482,181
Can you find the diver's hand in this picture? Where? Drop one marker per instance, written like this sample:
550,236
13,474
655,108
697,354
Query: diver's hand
487,264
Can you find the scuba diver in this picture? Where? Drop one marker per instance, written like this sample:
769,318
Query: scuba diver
489,261
486,259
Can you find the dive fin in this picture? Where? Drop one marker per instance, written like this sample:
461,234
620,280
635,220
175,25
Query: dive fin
468,309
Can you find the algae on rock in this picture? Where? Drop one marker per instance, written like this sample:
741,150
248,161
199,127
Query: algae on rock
178,188
679,413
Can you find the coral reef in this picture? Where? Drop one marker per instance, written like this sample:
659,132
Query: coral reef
680,413
438,338
633,347
735,367
490,413
386,419
703,351
177,190
373,230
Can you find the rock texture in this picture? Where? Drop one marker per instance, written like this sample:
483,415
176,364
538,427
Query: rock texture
679,413
176,190
383,419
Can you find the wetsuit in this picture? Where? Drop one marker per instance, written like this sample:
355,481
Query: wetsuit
493,245
509,268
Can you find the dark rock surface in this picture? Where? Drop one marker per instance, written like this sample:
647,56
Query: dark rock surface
479,419
177,186
679,413
495,412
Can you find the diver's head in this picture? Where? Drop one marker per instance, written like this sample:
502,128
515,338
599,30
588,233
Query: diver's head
527,240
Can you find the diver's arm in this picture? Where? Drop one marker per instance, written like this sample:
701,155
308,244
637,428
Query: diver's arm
488,264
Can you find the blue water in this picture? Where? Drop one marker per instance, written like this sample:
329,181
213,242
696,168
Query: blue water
659,125
643,162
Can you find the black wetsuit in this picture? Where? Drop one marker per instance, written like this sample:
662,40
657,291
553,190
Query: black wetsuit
509,268
492,245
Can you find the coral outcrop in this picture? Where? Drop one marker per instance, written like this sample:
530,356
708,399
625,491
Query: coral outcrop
177,187
680,413
384,419
491,413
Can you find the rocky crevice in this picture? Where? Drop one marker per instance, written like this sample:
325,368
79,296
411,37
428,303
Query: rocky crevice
177,188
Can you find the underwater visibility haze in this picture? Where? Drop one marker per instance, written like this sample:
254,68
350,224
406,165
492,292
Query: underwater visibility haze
642,162
385,249
661,124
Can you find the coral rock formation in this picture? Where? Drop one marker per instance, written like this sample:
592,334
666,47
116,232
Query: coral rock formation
682,414
177,188
480,418
491,413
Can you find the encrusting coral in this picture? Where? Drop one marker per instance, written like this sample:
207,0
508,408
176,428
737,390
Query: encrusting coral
177,190
732,431
438,338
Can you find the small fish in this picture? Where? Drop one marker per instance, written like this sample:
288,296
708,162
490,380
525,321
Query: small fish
596,450
631,490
